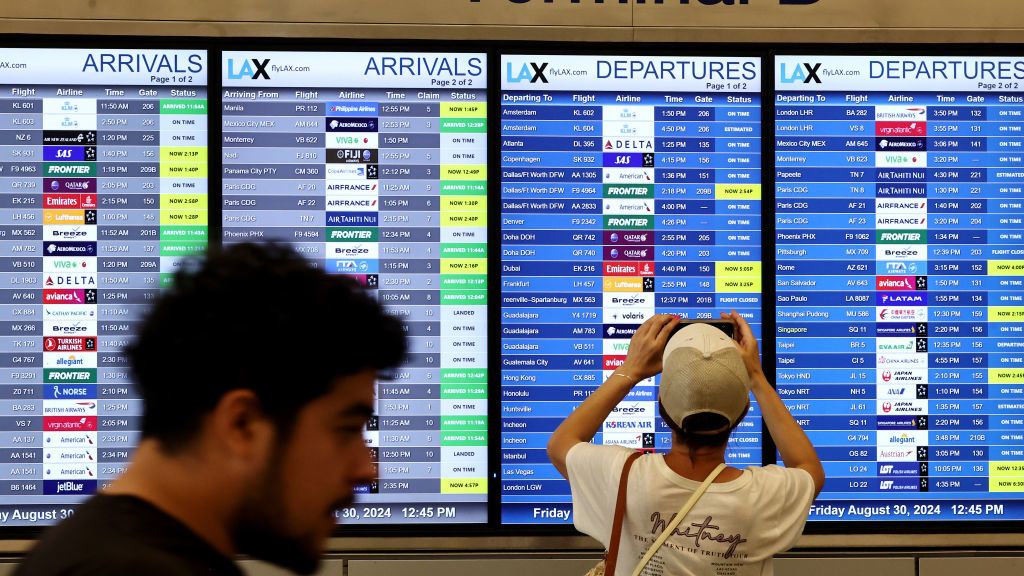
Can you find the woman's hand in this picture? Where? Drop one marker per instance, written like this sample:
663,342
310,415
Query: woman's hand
647,346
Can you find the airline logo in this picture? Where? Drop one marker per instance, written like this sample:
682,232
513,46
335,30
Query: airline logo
896,454
69,296
901,407
69,201
69,281
615,347
623,284
351,187
899,469
901,299
901,438
629,175
895,283
895,345
62,233
69,344
353,250
70,185
68,455
352,203
626,237
629,130
899,268
69,408
901,128
901,221
913,206
900,144
627,300
633,411
352,171
344,124
626,315
61,328
629,253
69,265
628,269
64,471
80,440
69,423
627,113
352,155
887,314
352,234
629,144
628,425
902,252
69,392
900,113
902,380
894,361
69,248
616,206
901,159
353,140
64,218
634,441
72,360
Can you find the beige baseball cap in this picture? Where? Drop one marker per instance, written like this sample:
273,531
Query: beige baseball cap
703,371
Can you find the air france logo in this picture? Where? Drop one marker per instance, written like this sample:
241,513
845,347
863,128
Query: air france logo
247,70
805,72
533,72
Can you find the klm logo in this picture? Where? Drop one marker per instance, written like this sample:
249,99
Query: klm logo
805,73
531,72
247,69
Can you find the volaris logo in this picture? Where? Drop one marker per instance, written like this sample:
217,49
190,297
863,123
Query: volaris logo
247,71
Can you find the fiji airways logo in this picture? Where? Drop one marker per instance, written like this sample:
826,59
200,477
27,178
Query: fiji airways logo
804,73
531,72
251,68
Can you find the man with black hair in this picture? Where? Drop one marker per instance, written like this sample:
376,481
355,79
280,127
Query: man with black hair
257,372
746,516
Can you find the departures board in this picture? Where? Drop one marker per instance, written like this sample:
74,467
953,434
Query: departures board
899,251
374,165
630,186
103,192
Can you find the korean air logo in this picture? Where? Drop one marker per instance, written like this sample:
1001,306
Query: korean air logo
531,73
804,73
251,68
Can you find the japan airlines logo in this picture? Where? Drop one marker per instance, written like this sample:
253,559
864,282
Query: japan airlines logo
533,72
247,71
807,74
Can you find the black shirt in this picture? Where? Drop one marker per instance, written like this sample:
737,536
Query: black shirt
123,536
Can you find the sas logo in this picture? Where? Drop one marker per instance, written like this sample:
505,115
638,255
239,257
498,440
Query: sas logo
804,73
531,72
251,68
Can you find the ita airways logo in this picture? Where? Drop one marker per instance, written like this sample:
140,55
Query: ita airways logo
532,72
805,73
252,68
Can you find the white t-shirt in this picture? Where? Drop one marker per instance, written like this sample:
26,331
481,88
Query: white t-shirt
733,530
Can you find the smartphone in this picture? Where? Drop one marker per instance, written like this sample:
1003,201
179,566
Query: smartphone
727,326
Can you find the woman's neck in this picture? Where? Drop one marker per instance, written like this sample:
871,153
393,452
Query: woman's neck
697,464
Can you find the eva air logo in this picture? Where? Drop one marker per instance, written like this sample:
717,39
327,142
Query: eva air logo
804,73
251,68
531,72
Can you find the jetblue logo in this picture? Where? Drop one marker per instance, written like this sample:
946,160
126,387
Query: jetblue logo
251,68
531,72
805,73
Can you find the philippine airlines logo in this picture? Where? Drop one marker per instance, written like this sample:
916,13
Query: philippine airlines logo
804,73
532,72
251,68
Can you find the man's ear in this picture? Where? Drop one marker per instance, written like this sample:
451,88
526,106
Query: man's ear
239,427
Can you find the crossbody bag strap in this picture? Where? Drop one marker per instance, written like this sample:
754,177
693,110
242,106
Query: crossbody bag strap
620,509
679,518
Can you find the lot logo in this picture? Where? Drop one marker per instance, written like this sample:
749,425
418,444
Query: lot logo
808,73
533,72
247,70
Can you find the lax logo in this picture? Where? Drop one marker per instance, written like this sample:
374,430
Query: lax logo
247,70
533,72
808,73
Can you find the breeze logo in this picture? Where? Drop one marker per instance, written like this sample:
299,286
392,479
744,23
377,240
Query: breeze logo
806,73
247,70
533,72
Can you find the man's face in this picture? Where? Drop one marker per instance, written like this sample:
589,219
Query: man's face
289,513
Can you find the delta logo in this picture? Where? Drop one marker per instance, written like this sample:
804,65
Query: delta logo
83,280
640,144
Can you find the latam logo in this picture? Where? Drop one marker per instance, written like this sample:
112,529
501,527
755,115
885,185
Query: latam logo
252,69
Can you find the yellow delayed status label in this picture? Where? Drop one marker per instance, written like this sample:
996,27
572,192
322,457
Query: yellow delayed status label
463,486
1006,267
463,266
463,172
737,191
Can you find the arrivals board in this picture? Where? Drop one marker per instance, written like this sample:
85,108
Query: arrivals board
374,165
103,190
900,281
630,186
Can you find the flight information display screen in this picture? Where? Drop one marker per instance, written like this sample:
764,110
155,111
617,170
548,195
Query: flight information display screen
629,186
103,175
900,281
374,165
